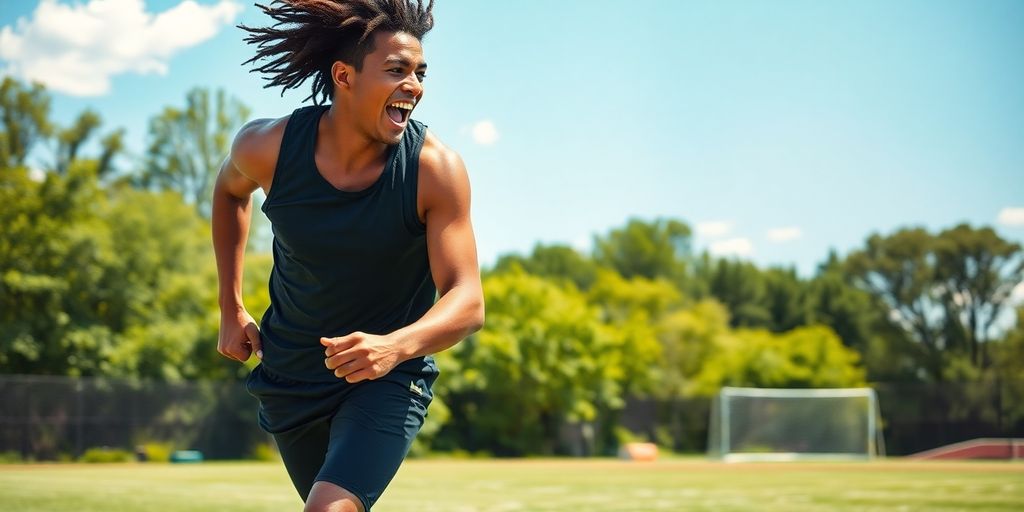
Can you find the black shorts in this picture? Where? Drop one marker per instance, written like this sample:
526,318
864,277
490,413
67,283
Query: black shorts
351,435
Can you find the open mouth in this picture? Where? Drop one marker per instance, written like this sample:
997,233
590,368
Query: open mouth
399,111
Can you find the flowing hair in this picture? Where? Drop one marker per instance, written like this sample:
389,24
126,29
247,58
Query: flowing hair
309,36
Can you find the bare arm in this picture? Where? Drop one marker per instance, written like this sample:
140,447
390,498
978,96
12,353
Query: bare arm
453,263
445,202
232,211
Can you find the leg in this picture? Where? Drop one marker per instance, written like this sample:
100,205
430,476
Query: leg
327,497
302,450
370,436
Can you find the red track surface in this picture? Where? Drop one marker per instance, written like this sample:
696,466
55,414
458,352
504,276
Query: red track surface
983,448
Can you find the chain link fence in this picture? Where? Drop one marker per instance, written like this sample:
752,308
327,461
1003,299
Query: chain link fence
915,416
52,418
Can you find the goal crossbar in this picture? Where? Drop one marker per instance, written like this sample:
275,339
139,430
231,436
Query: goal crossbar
767,424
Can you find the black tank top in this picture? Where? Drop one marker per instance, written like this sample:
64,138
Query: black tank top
343,261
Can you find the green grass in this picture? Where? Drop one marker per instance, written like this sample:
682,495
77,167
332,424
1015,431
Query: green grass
530,485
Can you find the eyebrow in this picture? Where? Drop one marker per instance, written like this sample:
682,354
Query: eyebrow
404,62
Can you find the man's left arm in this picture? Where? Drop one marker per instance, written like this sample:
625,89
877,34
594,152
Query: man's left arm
444,198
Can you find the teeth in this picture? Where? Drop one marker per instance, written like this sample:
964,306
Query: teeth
402,104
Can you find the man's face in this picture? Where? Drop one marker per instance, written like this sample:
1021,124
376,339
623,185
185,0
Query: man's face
389,86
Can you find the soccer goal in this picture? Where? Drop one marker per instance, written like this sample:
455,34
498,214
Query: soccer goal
762,424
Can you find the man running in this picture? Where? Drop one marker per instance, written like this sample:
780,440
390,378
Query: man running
371,223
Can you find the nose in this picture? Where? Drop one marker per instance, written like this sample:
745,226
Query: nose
413,86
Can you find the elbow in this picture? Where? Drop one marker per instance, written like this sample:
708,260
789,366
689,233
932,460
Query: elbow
475,316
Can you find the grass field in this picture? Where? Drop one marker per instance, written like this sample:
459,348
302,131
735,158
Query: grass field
530,485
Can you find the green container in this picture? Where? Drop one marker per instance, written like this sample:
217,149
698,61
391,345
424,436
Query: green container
187,456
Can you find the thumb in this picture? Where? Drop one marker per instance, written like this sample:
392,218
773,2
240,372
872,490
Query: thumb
326,342
253,333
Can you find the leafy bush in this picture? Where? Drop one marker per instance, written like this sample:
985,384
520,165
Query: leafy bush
265,452
10,457
157,452
105,454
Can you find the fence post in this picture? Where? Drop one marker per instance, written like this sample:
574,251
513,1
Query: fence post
79,412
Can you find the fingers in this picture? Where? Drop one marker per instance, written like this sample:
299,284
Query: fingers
338,360
237,351
346,369
243,354
341,343
359,375
239,336
252,332
342,367
350,357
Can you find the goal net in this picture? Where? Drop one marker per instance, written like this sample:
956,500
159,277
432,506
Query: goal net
750,424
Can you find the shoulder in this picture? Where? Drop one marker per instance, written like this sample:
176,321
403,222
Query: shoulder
256,148
438,163
443,179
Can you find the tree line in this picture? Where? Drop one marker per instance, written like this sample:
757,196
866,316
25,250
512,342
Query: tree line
106,269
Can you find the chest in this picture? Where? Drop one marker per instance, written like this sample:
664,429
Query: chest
327,230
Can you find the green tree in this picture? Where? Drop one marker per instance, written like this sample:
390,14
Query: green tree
688,338
98,282
24,114
631,310
187,146
944,291
741,287
620,298
807,357
161,290
1008,369
659,248
553,262
786,296
542,360
978,271
861,323
55,250
899,272
71,139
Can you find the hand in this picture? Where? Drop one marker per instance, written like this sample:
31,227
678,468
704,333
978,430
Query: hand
239,336
360,356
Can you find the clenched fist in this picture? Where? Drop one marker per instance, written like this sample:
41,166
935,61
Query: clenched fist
360,356
239,336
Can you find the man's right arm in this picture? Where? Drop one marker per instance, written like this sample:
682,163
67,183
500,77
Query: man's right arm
243,171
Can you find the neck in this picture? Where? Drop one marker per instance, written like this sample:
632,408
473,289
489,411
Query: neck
347,146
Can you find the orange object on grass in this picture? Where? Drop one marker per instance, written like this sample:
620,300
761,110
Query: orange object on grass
639,451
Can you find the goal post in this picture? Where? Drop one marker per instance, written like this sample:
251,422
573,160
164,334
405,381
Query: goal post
773,424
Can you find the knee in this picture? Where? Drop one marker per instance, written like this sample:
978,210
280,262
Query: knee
336,506
326,497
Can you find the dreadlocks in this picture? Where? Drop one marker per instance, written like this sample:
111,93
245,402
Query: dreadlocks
310,35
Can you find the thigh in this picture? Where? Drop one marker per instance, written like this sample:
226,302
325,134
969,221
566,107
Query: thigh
370,436
303,450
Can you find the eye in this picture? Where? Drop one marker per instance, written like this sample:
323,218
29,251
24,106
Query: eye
421,76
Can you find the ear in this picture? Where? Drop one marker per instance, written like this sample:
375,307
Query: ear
342,74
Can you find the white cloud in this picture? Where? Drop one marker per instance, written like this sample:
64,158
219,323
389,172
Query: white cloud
76,49
1011,217
732,247
714,228
485,133
784,234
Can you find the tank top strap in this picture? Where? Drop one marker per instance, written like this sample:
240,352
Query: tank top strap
405,173
295,158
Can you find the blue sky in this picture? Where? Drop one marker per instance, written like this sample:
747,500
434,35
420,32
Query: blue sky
778,130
